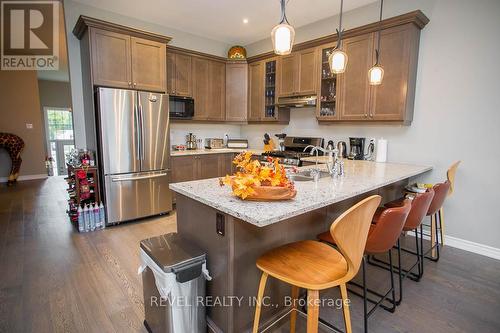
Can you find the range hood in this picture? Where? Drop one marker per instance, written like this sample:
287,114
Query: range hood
297,101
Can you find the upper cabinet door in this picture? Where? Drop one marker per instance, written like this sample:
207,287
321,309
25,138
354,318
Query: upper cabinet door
148,65
200,88
217,91
390,98
111,59
236,91
307,71
287,66
256,91
183,75
354,99
171,74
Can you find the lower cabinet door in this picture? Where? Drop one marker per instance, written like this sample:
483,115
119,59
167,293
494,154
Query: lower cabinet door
137,195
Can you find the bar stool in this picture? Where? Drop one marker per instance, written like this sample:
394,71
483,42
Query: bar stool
419,208
316,266
382,237
450,174
441,191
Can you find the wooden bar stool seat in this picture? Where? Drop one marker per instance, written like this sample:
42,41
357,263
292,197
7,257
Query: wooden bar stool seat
316,266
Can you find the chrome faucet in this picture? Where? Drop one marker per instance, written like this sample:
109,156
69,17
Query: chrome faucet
334,169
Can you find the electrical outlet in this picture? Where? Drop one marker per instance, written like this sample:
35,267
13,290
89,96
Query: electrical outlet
29,126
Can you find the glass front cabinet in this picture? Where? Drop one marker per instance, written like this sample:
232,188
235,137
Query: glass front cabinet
326,108
270,99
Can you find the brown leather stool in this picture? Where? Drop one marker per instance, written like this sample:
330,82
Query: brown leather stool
419,208
382,237
316,266
441,191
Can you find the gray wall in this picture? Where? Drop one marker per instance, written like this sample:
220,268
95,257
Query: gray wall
457,109
56,94
73,10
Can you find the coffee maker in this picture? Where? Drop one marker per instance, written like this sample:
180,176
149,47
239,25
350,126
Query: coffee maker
357,149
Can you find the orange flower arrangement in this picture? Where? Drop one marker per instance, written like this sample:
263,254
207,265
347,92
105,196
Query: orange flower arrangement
254,181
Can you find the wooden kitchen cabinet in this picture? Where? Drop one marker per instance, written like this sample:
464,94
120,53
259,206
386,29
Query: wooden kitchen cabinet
393,99
179,74
354,90
256,91
216,91
148,65
184,169
111,59
200,88
122,61
236,91
298,73
208,165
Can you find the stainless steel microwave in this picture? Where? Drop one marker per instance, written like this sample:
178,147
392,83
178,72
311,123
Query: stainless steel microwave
181,107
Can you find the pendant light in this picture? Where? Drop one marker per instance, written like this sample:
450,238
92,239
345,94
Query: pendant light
376,73
283,34
338,58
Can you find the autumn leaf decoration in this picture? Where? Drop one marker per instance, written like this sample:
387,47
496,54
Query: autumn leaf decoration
251,173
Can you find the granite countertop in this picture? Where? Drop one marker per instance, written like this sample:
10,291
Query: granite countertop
321,159
212,151
360,177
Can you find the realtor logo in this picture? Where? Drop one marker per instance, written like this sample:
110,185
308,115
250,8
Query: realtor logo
30,35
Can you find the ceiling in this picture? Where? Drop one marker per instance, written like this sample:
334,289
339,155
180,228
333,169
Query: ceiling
222,20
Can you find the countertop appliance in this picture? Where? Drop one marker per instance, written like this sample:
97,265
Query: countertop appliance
191,141
181,107
297,101
237,143
357,149
214,143
294,150
133,145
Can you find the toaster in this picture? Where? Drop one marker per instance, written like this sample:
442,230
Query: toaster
213,143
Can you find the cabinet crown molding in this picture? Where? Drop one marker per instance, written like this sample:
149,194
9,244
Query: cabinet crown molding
416,17
84,22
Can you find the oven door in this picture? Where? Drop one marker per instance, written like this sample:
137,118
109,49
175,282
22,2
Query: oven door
181,107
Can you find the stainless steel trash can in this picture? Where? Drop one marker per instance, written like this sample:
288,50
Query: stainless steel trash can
173,278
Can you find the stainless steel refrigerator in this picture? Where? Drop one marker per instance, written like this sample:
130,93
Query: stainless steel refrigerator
134,153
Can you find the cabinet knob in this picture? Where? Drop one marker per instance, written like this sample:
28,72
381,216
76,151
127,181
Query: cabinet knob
135,84
130,83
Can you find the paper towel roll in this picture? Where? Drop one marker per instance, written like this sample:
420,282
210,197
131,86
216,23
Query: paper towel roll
381,150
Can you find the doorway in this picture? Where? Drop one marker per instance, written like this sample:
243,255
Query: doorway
60,138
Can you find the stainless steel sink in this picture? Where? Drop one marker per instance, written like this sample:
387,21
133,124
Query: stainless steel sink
306,175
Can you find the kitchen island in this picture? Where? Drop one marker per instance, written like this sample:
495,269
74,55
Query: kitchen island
234,233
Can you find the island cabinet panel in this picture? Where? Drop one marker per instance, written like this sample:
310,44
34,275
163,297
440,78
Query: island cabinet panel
236,91
354,89
148,65
200,88
256,91
216,91
179,74
393,99
111,59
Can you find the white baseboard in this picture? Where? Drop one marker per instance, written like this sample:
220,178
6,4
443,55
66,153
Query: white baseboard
25,177
462,244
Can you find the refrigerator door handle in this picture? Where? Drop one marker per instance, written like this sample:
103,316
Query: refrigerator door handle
137,132
141,117
156,175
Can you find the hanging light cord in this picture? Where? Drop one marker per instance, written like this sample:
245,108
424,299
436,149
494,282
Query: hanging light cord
283,14
340,30
377,51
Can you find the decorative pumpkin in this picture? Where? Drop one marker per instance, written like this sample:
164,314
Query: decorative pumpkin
237,53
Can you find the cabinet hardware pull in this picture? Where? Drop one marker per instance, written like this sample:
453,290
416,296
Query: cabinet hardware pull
130,83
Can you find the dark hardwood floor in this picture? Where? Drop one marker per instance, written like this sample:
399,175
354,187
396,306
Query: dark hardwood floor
54,279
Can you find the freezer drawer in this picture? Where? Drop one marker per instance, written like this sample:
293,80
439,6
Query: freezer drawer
132,196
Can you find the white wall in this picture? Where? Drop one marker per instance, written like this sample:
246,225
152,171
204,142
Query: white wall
457,108
179,38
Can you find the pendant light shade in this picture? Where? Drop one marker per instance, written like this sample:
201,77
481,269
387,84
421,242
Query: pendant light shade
376,73
283,34
338,58
338,61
